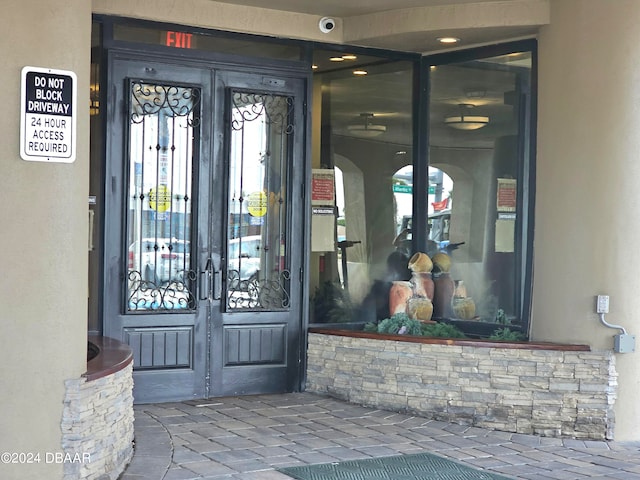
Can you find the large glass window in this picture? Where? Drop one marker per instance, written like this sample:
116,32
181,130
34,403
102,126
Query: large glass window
461,199
361,186
478,137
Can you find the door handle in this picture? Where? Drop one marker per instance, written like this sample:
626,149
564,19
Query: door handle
217,284
205,281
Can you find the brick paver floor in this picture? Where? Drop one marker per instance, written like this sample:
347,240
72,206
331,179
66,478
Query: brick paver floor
248,438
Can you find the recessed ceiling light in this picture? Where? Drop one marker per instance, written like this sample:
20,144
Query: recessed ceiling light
360,72
349,56
448,40
336,59
314,67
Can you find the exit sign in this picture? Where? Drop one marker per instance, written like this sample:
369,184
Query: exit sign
179,39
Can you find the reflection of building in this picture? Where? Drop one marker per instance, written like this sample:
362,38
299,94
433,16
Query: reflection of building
582,117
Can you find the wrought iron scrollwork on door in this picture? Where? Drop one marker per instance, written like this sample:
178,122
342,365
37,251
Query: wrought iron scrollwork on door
150,99
148,295
257,273
163,137
249,107
268,294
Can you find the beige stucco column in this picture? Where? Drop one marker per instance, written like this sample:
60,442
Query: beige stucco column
588,184
43,240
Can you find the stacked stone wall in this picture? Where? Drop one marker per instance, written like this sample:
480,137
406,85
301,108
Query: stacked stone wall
97,426
547,392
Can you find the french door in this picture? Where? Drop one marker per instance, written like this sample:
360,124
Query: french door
203,245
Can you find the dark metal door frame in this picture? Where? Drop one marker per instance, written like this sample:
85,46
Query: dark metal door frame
205,320
258,346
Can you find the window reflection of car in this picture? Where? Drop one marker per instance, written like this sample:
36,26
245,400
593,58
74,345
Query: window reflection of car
160,260
244,258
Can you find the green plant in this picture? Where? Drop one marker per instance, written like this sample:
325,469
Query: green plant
441,330
400,323
370,327
331,303
507,334
502,318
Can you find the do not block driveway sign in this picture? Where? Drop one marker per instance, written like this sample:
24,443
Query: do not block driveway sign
48,115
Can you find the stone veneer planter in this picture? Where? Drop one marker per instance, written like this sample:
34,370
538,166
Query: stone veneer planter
530,388
97,420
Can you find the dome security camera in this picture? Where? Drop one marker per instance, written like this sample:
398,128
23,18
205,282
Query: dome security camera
327,24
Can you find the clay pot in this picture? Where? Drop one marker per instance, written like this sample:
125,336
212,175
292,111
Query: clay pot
441,262
422,285
464,308
443,295
461,289
420,308
420,262
399,294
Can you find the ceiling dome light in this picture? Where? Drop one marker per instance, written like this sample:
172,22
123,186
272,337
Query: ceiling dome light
366,129
350,56
336,59
464,120
448,40
360,72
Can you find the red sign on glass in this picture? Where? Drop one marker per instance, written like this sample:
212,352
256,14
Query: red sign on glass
322,187
507,198
179,39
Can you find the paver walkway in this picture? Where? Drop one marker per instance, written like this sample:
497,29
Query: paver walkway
247,438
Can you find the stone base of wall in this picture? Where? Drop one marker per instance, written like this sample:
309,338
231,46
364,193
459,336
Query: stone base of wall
97,425
546,392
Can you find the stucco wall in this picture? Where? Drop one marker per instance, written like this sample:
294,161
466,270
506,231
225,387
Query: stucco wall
43,240
587,194
223,16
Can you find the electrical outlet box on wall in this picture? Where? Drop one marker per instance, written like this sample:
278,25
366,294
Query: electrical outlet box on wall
624,343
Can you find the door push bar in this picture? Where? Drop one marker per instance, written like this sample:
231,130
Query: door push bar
210,275
205,281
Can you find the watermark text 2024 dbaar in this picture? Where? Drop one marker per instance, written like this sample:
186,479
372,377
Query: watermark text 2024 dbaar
45,457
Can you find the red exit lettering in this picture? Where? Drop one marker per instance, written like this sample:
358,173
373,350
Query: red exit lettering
179,39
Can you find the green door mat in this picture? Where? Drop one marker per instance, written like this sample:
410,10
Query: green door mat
419,466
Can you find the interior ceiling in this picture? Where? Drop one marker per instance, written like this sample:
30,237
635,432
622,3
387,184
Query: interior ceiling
421,42
386,92
348,8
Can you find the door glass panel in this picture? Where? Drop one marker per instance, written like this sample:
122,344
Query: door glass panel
163,124
257,255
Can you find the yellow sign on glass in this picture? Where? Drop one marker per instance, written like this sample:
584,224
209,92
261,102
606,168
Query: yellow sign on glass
257,204
160,199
